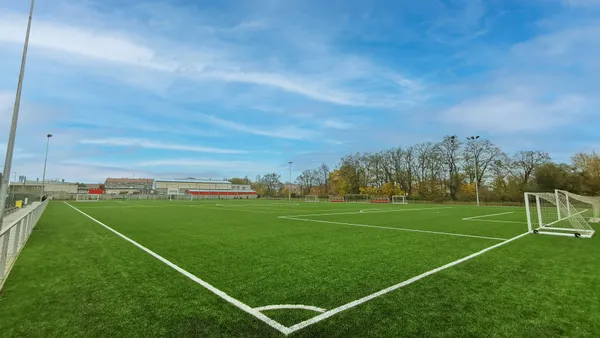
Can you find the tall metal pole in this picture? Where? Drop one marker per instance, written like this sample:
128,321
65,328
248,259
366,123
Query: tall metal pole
476,182
13,127
473,138
45,161
290,184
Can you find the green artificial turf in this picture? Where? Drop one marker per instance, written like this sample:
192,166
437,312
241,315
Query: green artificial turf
76,278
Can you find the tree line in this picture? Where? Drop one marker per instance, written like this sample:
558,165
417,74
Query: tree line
444,171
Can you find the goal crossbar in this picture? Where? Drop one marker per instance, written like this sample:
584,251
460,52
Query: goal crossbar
311,198
87,198
399,199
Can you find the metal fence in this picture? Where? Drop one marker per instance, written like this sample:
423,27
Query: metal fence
14,235
137,197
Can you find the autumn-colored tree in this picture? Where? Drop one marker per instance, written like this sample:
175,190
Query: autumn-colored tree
371,191
338,185
390,189
238,180
467,191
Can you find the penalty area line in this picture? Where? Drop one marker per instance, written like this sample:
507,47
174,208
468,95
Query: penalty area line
367,212
494,221
357,302
392,228
244,307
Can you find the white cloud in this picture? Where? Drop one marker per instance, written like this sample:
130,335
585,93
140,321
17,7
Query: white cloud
223,166
293,84
132,142
581,3
101,45
512,113
284,132
6,99
336,124
332,73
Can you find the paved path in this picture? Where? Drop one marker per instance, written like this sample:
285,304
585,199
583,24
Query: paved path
11,218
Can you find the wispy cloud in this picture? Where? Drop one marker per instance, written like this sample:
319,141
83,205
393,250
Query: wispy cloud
581,3
100,45
511,113
223,166
285,132
220,61
142,143
337,124
109,82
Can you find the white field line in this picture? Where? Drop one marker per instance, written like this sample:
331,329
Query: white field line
367,212
493,220
392,228
352,304
290,306
279,327
490,215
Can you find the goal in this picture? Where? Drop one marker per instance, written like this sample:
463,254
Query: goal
311,198
87,198
399,199
590,205
336,199
553,214
357,198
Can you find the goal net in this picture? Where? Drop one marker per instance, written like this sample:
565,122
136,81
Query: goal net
589,206
311,198
87,198
552,214
399,199
357,198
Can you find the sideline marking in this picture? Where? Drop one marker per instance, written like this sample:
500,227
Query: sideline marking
290,306
352,304
274,324
392,228
490,215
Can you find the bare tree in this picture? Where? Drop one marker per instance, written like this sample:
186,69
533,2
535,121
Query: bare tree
450,150
524,163
481,155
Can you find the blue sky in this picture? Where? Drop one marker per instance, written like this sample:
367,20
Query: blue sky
233,88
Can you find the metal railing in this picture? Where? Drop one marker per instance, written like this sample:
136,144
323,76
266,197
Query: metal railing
13,237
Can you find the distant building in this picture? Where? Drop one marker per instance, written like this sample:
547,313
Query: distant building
51,188
203,188
120,186
178,186
92,189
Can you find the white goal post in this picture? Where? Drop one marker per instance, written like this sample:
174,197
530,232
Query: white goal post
399,199
591,204
552,214
311,198
87,198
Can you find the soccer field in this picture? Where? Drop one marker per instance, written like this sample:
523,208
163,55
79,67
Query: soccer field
269,268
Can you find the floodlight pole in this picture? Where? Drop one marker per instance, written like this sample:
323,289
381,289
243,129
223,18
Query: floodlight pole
13,127
45,161
473,138
290,184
